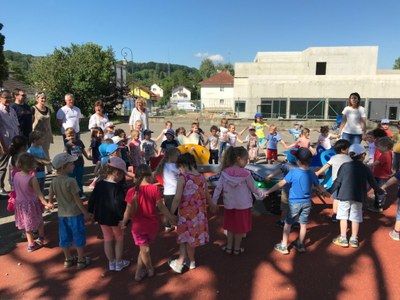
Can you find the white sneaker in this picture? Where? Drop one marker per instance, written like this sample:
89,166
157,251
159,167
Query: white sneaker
111,265
120,265
190,264
174,265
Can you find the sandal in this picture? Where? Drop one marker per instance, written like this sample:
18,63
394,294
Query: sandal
82,262
226,250
139,276
238,251
69,262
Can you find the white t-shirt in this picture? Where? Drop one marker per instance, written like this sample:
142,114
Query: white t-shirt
96,121
336,162
170,178
70,118
325,141
353,119
222,133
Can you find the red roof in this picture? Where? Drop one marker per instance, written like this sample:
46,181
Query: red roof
221,78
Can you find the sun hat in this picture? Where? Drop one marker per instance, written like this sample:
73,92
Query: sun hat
252,128
118,163
109,124
62,159
356,149
303,154
111,148
385,121
170,131
103,149
290,155
298,123
116,139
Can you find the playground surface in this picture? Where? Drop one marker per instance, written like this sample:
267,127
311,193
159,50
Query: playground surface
326,271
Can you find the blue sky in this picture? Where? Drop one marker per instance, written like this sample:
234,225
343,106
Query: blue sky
187,31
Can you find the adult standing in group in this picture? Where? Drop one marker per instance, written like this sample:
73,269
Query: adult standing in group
24,112
98,119
69,116
354,121
41,121
139,113
9,127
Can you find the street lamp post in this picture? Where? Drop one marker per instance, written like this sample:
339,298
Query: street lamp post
124,53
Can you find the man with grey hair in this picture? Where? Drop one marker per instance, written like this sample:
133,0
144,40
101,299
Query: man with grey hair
69,116
9,127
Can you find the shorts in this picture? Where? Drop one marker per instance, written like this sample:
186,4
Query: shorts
72,229
398,211
298,212
272,154
350,210
143,239
284,200
111,233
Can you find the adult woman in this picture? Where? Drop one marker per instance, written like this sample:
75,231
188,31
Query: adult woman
41,122
98,119
139,113
354,120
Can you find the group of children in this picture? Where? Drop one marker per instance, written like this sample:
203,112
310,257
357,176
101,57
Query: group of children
113,203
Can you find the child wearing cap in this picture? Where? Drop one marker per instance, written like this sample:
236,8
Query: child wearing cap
301,181
107,205
75,147
148,147
168,125
385,123
109,130
296,130
169,142
351,187
71,212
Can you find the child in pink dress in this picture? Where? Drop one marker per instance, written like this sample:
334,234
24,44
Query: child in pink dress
236,185
142,201
190,199
29,201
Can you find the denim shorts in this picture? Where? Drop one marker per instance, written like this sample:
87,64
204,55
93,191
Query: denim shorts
72,229
298,212
350,210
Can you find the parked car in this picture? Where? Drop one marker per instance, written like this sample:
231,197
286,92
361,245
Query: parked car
186,106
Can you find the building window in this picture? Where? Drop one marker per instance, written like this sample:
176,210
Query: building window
307,108
320,68
221,101
221,89
272,108
240,106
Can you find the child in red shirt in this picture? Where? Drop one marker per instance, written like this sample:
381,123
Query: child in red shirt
382,170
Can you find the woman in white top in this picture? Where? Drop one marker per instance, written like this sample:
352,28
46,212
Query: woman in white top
98,119
354,120
139,113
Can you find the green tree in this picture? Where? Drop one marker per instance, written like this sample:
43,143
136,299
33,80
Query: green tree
397,64
207,69
3,63
19,64
84,70
226,67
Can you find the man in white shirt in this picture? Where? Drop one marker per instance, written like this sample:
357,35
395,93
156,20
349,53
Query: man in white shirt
69,116
9,127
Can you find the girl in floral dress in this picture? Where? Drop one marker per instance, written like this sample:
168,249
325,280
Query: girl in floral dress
190,199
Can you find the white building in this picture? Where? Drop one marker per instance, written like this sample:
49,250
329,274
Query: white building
156,89
217,93
180,94
316,83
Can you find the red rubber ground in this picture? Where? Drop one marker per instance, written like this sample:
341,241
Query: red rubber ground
325,272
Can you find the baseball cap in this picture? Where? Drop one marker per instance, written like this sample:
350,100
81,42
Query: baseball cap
170,131
290,155
116,139
356,149
118,163
61,159
385,121
109,124
147,131
298,123
111,148
252,128
103,149
303,154
258,115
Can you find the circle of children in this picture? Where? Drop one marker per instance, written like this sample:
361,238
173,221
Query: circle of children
185,195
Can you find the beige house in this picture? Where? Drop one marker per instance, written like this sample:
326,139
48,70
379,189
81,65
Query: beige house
316,83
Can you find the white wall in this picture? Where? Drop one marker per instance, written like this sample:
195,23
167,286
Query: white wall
211,96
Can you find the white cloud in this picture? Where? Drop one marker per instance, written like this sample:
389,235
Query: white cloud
216,57
201,55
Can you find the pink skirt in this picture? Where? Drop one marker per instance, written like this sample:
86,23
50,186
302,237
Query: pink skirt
237,220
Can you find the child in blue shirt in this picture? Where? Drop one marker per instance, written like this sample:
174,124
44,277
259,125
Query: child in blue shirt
301,181
272,141
36,149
